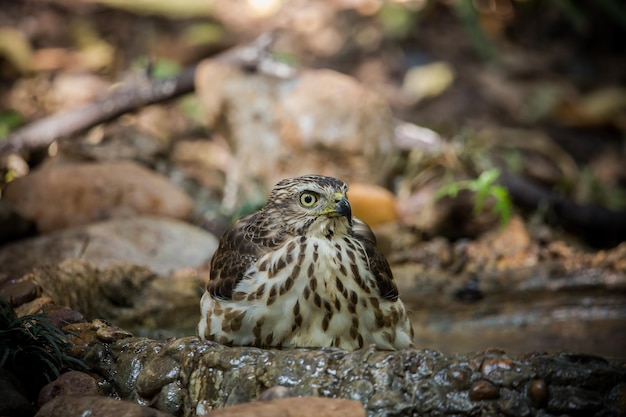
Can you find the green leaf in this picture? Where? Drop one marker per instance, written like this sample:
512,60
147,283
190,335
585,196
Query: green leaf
9,120
451,190
503,205
488,177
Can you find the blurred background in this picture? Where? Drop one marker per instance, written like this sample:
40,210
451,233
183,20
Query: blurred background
484,141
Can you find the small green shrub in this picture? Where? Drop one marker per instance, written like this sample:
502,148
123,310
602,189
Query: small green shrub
484,186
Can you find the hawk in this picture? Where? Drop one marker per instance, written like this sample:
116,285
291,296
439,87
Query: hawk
302,272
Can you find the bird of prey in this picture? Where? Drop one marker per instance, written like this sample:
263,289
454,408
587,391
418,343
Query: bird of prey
302,272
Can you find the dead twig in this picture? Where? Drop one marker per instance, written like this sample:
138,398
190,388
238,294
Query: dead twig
598,225
43,132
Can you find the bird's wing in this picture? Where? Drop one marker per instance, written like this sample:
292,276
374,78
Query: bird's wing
235,254
378,264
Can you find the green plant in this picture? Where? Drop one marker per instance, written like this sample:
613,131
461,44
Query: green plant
9,120
484,187
33,349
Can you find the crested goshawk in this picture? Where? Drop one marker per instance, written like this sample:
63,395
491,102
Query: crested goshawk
302,272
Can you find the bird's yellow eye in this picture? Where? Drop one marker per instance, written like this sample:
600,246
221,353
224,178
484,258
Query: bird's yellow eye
309,199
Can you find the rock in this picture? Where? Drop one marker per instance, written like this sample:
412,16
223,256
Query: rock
538,393
61,196
159,371
95,333
318,121
161,244
69,383
483,390
408,382
276,393
294,407
62,316
373,204
95,406
18,293
38,305
131,296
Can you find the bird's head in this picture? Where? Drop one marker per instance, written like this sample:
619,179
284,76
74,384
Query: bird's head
311,204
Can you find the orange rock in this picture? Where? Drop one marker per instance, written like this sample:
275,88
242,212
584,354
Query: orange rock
373,204
294,407
95,406
60,196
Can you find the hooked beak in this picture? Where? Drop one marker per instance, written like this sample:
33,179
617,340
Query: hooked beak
342,207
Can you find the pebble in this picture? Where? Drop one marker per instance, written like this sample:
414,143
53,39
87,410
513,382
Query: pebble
61,316
35,306
459,377
171,398
538,393
494,364
157,372
69,383
111,334
573,401
514,404
19,292
483,390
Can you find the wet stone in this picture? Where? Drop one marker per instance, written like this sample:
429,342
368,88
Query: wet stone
132,361
111,334
385,400
456,377
459,402
359,390
69,383
573,401
20,292
483,390
63,316
569,369
275,393
504,372
170,399
459,377
431,396
514,404
386,383
157,372
538,393
583,358
494,364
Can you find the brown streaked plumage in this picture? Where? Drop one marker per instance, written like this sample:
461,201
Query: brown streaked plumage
302,272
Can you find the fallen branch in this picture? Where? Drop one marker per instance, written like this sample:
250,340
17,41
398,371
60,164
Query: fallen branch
598,225
43,132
